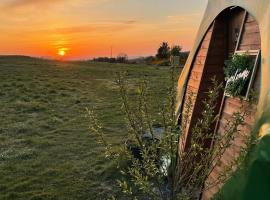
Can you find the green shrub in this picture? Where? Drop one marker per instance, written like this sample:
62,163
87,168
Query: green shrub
159,169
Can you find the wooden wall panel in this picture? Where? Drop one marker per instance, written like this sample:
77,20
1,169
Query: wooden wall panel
231,105
195,78
208,63
250,41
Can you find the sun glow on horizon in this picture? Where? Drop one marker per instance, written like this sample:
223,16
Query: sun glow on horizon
79,29
61,53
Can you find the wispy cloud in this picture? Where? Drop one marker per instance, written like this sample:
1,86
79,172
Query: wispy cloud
103,27
184,17
17,4
30,3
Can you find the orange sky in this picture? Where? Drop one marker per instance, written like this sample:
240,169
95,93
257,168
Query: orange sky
88,28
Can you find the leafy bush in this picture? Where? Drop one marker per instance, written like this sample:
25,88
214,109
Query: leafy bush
163,62
157,167
176,50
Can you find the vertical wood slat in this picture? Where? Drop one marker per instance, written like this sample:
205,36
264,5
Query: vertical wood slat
237,14
241,31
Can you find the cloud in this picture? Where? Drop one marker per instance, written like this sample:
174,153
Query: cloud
17,4
30,3
184,17
109,27
103,27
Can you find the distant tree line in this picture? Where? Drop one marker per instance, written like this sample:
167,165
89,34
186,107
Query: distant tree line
121,58
165,52
162,57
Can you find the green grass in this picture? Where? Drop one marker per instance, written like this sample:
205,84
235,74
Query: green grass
46,150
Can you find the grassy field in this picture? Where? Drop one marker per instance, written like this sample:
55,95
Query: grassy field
46,151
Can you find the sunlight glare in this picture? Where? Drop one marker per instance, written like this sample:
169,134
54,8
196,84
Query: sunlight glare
61,52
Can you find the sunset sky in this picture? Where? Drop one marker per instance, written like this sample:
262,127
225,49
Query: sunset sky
81,29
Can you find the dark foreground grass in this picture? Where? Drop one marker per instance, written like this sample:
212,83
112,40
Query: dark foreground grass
46,151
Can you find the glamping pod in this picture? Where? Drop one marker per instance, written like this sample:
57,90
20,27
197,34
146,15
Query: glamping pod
229,27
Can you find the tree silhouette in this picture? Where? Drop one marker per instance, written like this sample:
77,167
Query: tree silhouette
163,51
122,58
176,50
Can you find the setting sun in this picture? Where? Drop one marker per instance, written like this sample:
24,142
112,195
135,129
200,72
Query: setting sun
61,53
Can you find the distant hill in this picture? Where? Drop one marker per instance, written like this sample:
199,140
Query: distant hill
16,57
20,57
